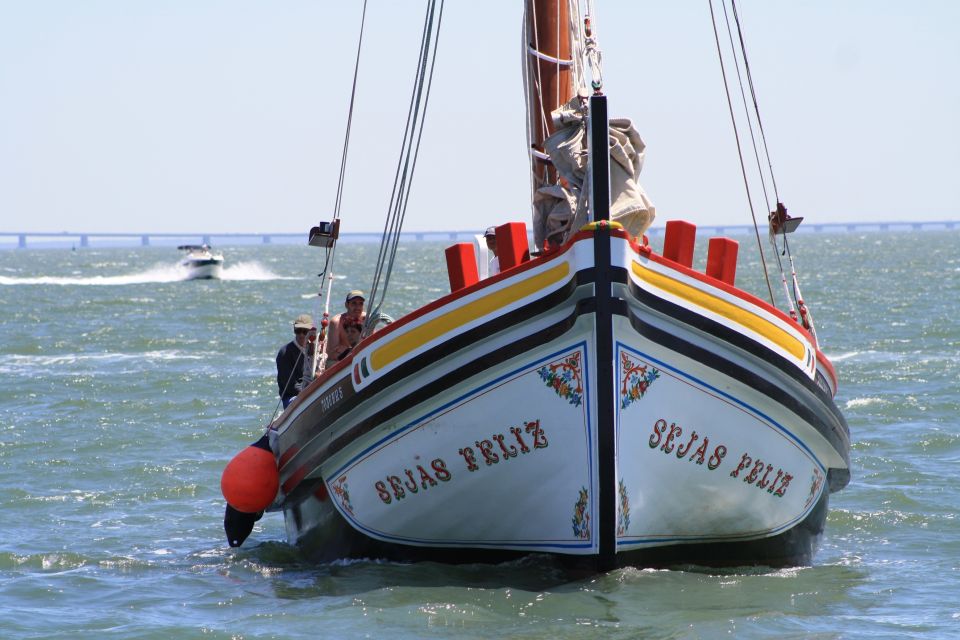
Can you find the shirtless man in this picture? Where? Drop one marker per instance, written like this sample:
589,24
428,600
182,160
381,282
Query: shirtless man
337,340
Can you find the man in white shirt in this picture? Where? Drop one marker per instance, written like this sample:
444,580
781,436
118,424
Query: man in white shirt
490,236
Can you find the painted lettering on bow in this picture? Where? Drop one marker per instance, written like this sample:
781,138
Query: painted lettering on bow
777,486
410,481
673,443
670,440
503,447
499,447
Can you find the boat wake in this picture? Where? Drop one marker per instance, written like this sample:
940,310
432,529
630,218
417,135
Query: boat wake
163,273
250,271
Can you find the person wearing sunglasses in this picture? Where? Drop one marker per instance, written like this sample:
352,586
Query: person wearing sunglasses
290,359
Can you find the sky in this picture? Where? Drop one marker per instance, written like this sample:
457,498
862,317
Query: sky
216,116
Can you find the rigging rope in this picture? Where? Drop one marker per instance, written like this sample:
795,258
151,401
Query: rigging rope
753,95
319,358
538,83
317,362
743,167
591,50
798,311
577,45
753,139
746,110
353,95
778,217
410,149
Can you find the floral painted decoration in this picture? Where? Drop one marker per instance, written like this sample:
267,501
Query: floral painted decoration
563,376
343,494
623,519
815,482
581,517
636,380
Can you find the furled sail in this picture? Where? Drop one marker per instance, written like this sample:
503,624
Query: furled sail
563,207
555,85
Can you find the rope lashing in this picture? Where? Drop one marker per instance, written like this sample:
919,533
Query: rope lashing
592,50
547,57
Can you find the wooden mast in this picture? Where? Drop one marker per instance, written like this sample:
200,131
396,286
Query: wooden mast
549,73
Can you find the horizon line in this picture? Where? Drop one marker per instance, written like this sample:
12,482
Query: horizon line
59,239
655,227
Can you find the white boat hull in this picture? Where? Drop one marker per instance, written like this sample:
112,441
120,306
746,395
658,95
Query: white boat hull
489,424
203,269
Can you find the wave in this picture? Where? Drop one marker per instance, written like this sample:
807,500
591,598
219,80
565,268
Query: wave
844,356
158,274
12,362
864,402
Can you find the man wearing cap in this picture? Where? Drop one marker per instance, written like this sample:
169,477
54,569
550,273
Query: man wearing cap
290,359
490,235
337,340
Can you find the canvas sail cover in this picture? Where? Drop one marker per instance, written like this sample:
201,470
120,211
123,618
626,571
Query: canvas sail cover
559,210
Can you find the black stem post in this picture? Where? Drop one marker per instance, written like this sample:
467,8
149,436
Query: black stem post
606,432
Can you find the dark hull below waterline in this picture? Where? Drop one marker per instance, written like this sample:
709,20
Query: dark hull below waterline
793,548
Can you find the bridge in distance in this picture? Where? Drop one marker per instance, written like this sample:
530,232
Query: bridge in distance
23,239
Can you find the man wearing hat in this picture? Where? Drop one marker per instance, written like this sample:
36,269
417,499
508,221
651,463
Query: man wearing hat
490,236
337,340
290,359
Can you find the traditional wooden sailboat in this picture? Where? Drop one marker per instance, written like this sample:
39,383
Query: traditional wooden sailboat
595,400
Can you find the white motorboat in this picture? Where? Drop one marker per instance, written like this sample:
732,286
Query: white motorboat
201,262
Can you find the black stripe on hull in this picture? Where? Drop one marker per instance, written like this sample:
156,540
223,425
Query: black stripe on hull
818,410
728,335
314,420
424,393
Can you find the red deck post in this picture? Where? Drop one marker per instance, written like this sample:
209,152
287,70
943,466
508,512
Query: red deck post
678,241
512,246
722,259
461,266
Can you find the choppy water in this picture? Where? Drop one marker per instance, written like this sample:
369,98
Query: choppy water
125,389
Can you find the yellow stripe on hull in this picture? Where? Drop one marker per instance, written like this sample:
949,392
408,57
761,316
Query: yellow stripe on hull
456,318
722,308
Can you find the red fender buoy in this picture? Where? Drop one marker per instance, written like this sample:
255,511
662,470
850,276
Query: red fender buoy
250,481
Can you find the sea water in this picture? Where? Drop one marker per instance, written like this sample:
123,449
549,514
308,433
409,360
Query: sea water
125,389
